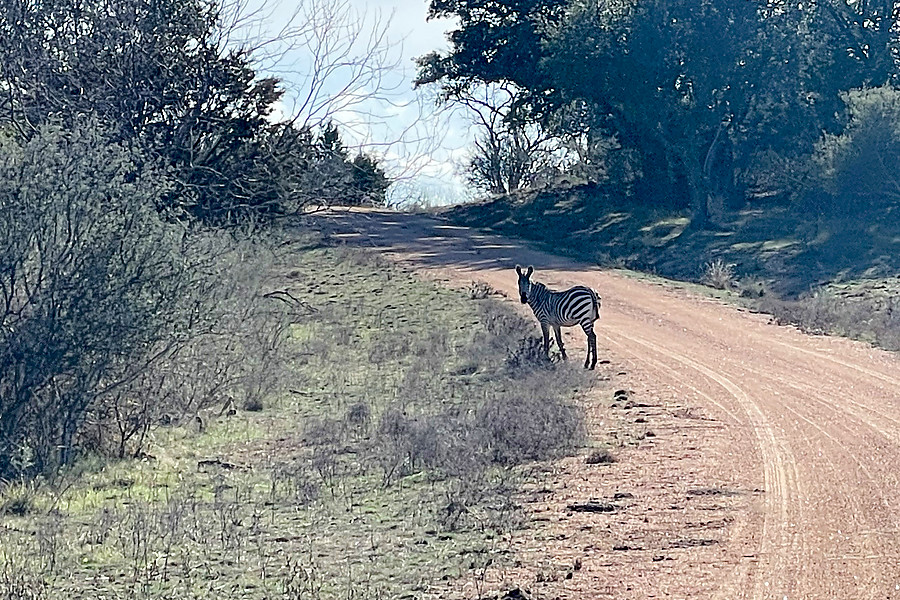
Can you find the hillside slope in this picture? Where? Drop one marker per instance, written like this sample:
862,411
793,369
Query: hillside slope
788,250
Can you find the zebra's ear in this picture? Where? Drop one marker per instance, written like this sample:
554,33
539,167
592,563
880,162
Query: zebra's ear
519,270
529,271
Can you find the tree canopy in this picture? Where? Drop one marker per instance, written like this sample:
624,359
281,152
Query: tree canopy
701,94
160,74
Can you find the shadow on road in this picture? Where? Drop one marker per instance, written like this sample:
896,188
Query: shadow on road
431,242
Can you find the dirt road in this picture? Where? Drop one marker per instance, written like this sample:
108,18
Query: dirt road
766,463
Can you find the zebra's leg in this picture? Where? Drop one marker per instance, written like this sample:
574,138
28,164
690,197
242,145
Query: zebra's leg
562,349
590,360
545,329
592,341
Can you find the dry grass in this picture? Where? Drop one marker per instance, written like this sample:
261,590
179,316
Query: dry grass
388,468
719,274
865,310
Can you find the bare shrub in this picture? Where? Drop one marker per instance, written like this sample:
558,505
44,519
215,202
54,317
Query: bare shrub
529,354
502,323
479,290
323,431
510,337
21,582
234,352
387,348
752,287
294,481
391,451
719,274
529,423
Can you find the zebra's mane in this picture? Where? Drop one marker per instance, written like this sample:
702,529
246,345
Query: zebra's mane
539,290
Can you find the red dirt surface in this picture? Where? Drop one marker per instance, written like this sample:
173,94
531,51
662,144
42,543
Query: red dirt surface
772,467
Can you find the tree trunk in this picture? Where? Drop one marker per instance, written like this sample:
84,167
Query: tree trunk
697,189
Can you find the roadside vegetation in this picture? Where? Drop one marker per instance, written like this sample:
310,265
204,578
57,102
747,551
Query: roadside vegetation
379,454
194,401
820,277
134,203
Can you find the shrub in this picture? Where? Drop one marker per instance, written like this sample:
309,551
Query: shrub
528,423
479,290
358,416
254,405
600,456
528,355
861,316
92,286
18,498
108,313
858,169
719,274
231,349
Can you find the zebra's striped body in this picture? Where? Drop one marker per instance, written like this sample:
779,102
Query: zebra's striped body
579,305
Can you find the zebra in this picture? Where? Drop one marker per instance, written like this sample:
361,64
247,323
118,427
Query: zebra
579,305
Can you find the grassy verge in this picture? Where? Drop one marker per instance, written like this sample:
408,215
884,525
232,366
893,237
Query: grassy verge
864,310
390,469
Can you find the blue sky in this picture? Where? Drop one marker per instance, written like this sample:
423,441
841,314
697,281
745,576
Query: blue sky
420,145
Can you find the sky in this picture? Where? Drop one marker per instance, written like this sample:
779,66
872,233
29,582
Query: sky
377,110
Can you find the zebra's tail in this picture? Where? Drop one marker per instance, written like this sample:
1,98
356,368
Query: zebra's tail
596,304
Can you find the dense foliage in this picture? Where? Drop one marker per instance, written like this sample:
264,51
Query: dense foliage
704,104
131,132
161,73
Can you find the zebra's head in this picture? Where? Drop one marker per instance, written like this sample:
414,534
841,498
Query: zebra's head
524,283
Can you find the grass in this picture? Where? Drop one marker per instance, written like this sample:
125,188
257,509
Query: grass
864,310
385,471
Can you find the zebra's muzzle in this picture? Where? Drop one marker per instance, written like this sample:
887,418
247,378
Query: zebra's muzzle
523,298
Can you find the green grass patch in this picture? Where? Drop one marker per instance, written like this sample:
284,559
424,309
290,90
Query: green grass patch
389,468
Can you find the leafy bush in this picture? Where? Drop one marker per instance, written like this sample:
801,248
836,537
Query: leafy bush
107,312
859,169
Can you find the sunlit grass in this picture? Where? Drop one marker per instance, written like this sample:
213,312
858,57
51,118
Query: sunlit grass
265,504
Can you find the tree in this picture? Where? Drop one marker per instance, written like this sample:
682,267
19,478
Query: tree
369,181
169,76
860,168
673,79
157,74
654,73
698,91
111,316
512,150
497,42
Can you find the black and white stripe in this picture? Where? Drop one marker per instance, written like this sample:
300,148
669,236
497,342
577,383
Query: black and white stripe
579,305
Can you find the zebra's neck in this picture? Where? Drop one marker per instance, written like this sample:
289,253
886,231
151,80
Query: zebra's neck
537,295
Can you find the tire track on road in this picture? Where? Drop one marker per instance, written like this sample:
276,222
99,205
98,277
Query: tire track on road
778,544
